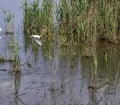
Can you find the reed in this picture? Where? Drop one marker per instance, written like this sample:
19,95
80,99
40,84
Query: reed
79,21
91,21
32,17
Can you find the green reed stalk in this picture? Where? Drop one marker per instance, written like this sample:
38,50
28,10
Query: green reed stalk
78,20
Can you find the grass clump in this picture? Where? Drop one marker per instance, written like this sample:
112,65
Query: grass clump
78,21
37,19
32,17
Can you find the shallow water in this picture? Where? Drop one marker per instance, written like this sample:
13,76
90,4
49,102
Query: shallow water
75,75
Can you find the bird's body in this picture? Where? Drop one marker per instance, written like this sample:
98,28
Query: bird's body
37,39
36,36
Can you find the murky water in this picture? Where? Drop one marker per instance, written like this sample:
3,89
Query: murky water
81,75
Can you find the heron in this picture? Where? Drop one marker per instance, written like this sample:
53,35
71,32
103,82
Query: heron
37,39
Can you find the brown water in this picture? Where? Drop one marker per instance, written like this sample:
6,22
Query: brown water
52,75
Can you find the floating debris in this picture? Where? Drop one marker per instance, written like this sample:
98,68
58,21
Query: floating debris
29,64
3,70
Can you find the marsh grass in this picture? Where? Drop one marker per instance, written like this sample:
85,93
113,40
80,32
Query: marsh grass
9,22
79,21
31,18
37,19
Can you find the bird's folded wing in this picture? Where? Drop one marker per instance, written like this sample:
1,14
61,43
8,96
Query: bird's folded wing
38,41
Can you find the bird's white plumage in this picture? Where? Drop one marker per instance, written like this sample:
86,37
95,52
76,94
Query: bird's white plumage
0,29
35,36
37,39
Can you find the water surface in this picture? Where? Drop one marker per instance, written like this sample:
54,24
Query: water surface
67,75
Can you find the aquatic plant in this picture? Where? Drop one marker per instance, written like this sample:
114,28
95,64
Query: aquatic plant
31,18
78,21
9,22
8,15
38,20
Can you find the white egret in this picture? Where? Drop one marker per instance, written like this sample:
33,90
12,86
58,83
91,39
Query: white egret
37,39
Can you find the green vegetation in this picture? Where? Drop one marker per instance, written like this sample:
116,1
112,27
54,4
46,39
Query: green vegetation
78,21
36,19
8,16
